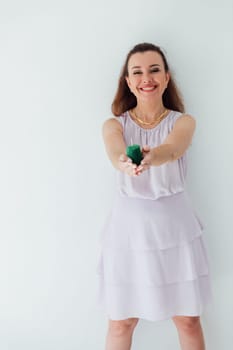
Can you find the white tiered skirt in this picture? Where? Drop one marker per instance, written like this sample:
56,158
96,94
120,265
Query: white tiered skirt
153,262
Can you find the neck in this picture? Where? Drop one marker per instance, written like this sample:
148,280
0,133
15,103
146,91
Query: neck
149,111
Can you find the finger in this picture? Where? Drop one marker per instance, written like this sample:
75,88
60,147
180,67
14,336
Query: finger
122,158
130,164
143,167
134,170
140,168
145,161
130,168
146,148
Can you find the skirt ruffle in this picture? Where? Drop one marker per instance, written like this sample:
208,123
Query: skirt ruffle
153,262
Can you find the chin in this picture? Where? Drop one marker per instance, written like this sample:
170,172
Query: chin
149,98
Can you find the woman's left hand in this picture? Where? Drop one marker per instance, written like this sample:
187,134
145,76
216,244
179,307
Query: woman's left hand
147,159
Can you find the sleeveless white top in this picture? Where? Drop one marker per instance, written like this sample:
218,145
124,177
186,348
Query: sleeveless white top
157,181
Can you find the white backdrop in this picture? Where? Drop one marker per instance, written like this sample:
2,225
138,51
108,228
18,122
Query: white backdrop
59,65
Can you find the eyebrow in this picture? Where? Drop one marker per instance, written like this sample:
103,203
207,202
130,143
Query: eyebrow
152,65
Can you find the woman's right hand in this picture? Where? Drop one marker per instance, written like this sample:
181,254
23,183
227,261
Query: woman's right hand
126,165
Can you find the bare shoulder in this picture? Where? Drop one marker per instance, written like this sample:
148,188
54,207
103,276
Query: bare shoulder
186,121
111,125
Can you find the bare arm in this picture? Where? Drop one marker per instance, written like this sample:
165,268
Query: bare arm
174,145
115,147
113,140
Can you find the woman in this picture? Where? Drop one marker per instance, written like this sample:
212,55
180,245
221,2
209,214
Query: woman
153,263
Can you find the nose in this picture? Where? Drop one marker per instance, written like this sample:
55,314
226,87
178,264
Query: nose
147,78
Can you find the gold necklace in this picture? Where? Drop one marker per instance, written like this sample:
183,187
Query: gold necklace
149,123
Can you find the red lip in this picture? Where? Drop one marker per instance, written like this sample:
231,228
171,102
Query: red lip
151,86
148,86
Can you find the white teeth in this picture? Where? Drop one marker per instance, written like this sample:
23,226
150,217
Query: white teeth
149,89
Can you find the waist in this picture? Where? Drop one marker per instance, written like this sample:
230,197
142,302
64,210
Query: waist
182,193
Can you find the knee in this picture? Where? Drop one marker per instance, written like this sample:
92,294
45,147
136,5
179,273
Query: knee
188,324
122,327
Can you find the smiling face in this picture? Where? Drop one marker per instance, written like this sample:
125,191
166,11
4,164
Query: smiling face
147,78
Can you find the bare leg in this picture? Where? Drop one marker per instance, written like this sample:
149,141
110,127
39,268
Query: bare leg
119,336
190,332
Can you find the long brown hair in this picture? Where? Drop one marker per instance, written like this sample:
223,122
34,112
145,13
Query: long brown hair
125,99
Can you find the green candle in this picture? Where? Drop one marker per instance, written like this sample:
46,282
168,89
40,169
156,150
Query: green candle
134,152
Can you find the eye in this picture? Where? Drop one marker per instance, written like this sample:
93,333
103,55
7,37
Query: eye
155,70
136,72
